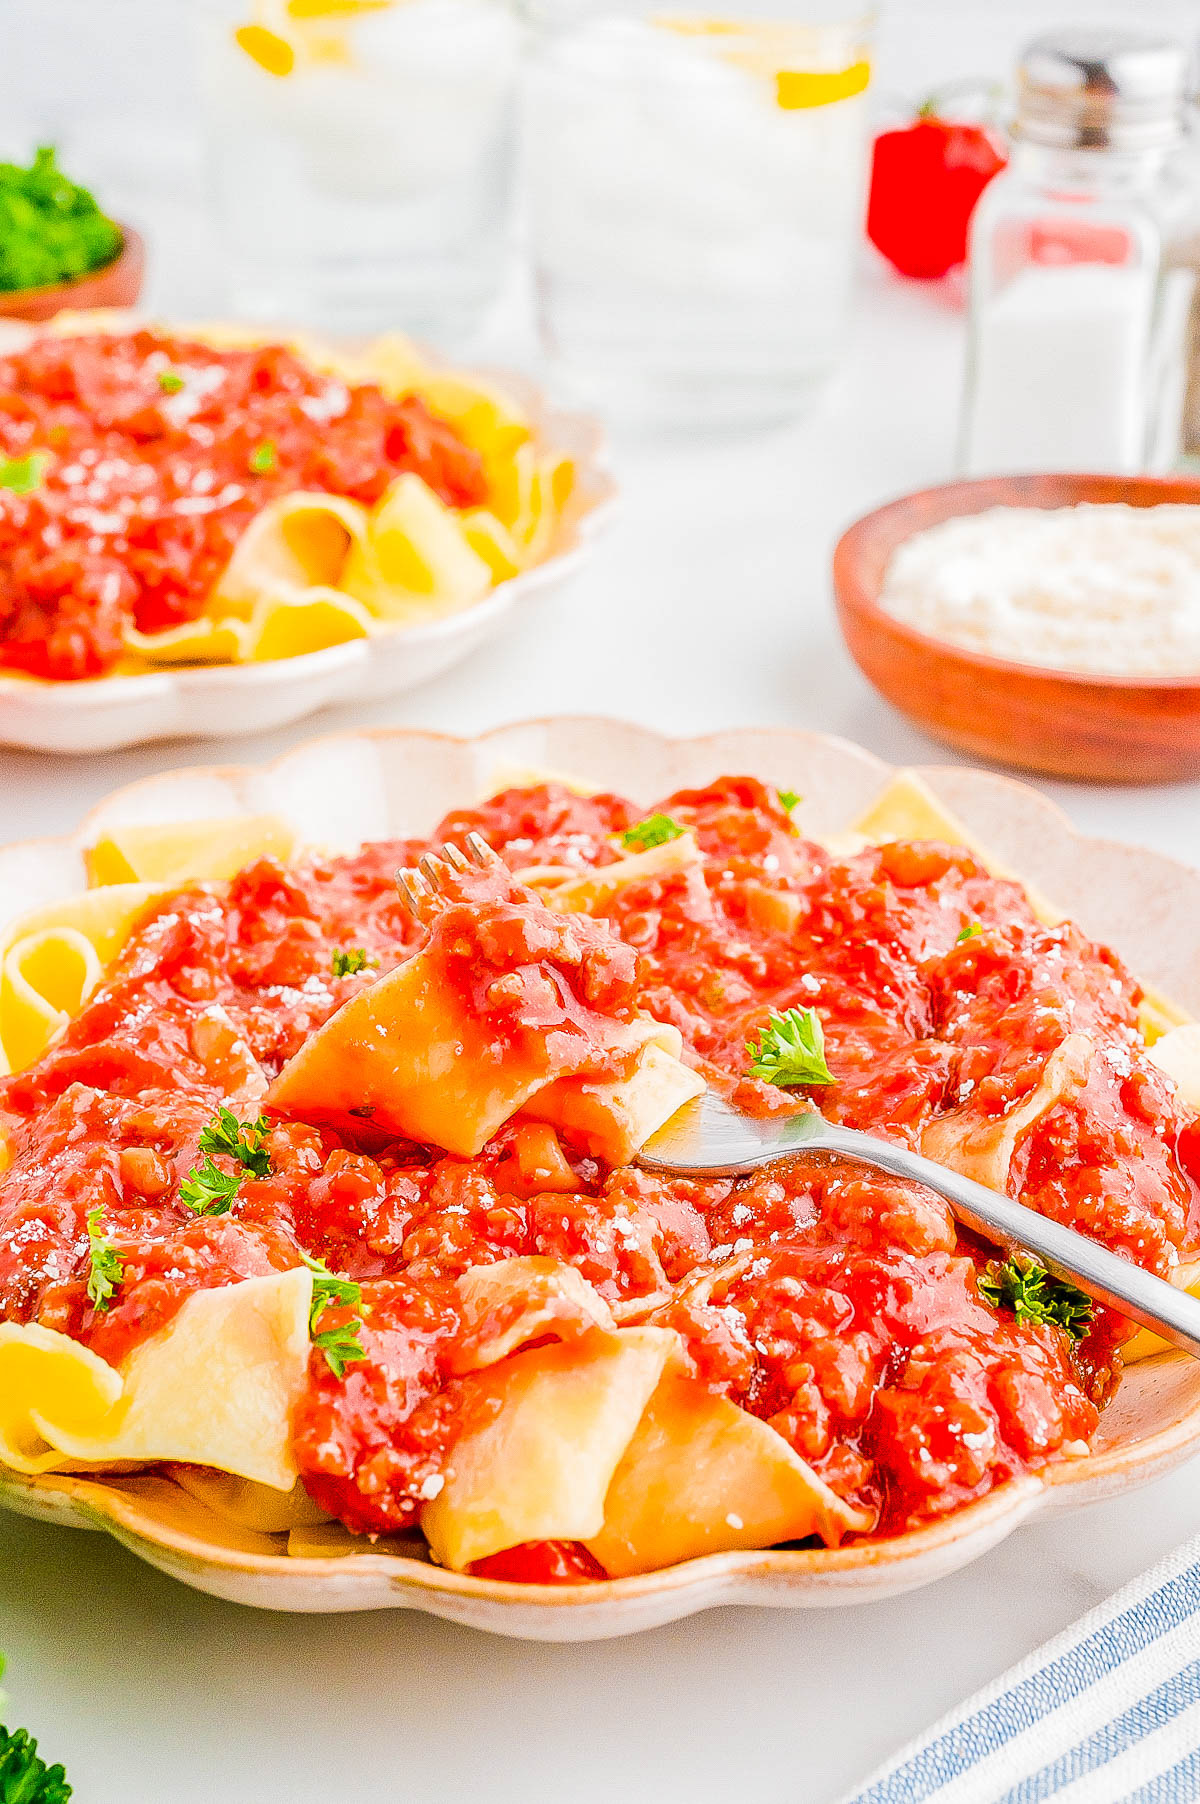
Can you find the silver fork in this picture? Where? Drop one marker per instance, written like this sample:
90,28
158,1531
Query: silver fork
709,1138
417,886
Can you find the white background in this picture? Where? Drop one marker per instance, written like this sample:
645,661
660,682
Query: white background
706,606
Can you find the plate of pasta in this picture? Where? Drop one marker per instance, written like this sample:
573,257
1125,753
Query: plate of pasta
329,1279
204,523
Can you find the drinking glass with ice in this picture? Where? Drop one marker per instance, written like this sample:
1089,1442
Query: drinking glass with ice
696,192
361,154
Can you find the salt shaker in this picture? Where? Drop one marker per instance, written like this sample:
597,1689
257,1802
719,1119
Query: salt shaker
1078,310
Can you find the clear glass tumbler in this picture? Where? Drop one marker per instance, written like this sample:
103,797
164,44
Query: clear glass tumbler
697,194
362,156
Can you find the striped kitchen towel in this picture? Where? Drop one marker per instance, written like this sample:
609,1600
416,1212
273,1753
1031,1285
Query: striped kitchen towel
1106,1713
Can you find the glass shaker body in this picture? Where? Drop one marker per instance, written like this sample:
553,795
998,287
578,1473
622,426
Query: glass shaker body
1077,317
1183,263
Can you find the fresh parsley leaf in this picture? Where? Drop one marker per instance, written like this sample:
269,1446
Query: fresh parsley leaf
264,458
24,1776
1035,1295
207,1190
971,931
788,799
341,1345
51,230
246,1144
107,1268
349,964
170,381
329,1288
22,475
655,830
791,1050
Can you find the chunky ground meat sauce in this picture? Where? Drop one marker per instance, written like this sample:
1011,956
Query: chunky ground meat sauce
841,1307
150,455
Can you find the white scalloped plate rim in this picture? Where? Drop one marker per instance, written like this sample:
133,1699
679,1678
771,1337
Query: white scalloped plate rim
399,781
192,702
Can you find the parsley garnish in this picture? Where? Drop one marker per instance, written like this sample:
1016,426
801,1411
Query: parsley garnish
170,381
51,230
245,1144
971,931
23,474
24,1776
655,830
791,1050
341,1346
788,799
107,1268
263,458
207,1190
349,964
1035,1295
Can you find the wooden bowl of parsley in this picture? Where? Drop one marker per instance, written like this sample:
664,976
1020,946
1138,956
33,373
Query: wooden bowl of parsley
57,248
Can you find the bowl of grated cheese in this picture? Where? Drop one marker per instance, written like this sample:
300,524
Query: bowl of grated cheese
1048,622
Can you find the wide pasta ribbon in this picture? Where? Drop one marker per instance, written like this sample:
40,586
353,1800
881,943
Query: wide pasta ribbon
601,1436
176,852
53,958
417,1056
215,1387
982,1147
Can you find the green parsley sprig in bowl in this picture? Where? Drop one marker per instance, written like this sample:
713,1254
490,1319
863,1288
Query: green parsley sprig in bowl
58,249
25,1778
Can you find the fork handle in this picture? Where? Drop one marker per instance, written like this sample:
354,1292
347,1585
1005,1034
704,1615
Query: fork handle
1116,1282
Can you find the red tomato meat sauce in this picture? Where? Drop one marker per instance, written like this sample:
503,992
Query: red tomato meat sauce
841,1307
136,461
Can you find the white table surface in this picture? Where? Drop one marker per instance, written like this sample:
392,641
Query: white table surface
706,606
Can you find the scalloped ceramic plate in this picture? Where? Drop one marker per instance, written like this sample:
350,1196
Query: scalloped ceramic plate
200,702
341,790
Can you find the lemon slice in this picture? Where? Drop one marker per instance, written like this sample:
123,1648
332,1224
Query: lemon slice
266,48
286,32
768,50
820,87
333,9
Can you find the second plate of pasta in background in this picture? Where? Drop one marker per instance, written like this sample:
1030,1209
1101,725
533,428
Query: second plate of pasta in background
210,524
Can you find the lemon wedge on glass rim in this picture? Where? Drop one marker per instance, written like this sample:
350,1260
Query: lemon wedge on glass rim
773,50
284,33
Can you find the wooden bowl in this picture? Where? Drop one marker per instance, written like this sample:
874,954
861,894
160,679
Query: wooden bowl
1103,729
115,284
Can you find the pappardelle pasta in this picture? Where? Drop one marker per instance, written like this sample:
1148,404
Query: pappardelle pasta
200,495
328,1212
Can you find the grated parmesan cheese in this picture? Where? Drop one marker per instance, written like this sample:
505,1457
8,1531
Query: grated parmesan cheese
1104,588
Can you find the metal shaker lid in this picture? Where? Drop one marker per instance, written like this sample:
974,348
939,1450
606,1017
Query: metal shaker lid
1098,88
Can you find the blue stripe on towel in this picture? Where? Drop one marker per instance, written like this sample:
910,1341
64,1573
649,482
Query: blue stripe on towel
1067,1676
1181,1785
1143,1718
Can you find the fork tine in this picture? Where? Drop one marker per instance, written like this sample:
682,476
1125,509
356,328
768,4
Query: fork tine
417,886
414,890
480,852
